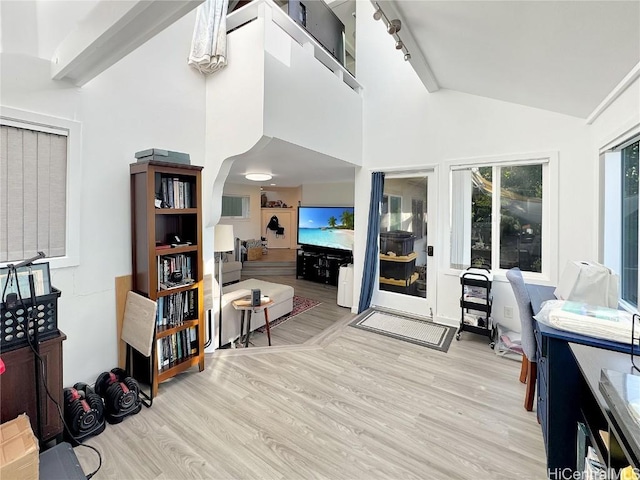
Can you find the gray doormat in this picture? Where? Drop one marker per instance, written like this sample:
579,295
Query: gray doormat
413,330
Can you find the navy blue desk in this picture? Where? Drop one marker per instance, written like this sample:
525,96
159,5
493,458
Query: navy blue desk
559,383
542,293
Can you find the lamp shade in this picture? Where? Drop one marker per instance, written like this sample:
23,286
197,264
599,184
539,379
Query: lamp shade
223,240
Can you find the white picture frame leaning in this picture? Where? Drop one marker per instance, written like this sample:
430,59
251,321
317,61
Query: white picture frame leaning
9,282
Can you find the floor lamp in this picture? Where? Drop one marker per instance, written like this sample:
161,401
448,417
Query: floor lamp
223,241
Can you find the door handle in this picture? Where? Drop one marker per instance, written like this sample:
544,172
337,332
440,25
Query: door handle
430,251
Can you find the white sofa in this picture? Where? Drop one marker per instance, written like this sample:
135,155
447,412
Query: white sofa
282,296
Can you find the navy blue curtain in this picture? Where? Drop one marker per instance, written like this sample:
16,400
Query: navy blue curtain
371,253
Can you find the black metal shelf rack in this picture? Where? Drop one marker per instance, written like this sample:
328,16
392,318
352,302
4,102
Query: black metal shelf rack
479,279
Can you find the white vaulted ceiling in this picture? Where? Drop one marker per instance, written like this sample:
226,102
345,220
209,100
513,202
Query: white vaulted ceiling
562,56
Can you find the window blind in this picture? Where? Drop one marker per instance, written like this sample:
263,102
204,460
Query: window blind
33,190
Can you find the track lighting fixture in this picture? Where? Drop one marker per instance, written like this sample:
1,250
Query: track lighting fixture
393,27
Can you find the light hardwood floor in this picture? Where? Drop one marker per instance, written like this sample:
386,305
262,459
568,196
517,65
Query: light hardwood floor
348,404
306,325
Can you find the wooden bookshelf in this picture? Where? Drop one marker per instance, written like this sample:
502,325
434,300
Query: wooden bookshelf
166,201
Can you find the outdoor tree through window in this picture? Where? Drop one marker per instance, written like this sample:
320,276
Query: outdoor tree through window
506,198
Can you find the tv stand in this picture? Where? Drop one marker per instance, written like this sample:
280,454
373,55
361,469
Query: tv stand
321,265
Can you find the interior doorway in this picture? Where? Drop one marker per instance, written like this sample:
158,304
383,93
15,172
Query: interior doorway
406,265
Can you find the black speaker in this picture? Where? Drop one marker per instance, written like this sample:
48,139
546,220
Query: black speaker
255,297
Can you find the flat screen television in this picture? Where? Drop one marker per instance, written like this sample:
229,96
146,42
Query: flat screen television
327,227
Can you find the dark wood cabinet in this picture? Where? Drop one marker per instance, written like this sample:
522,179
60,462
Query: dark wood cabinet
166,210
18,387
321,265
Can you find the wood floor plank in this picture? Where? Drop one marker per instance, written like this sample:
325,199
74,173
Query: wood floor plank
345,404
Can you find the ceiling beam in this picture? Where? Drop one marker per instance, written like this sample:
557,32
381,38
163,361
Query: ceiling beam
625,83
111,31
417,60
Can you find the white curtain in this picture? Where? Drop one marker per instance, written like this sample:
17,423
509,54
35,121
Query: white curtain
209,42
461,189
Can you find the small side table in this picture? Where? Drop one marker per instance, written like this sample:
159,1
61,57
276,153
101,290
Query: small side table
244,305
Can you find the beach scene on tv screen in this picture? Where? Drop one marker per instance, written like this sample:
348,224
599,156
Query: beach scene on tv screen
330,227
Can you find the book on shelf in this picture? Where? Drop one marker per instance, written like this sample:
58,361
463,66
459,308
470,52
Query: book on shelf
170,192
164,191
171,264
604,436
171,285
176,347
187,195
594,469
194,340
175,309
181,194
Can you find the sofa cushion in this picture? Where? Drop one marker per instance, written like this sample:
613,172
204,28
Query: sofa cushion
228,267
275,291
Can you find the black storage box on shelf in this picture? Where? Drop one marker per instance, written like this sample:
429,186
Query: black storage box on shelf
407,286
397,266
398,242
47,318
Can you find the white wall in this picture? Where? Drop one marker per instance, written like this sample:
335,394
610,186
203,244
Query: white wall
149,99
234,117
305,103
327,195
273,88
245,229
432,129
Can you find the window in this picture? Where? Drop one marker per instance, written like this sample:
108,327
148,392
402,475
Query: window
629,224
620,226
391,213
33,204
235,206
497,216
40,181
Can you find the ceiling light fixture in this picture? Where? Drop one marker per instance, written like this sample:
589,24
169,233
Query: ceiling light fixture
393,27
258,177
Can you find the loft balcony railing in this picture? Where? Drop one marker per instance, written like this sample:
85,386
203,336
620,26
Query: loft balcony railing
270,10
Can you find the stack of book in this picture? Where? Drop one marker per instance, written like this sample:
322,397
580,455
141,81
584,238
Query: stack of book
176,193
168,264
175,309
594,469
176,348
